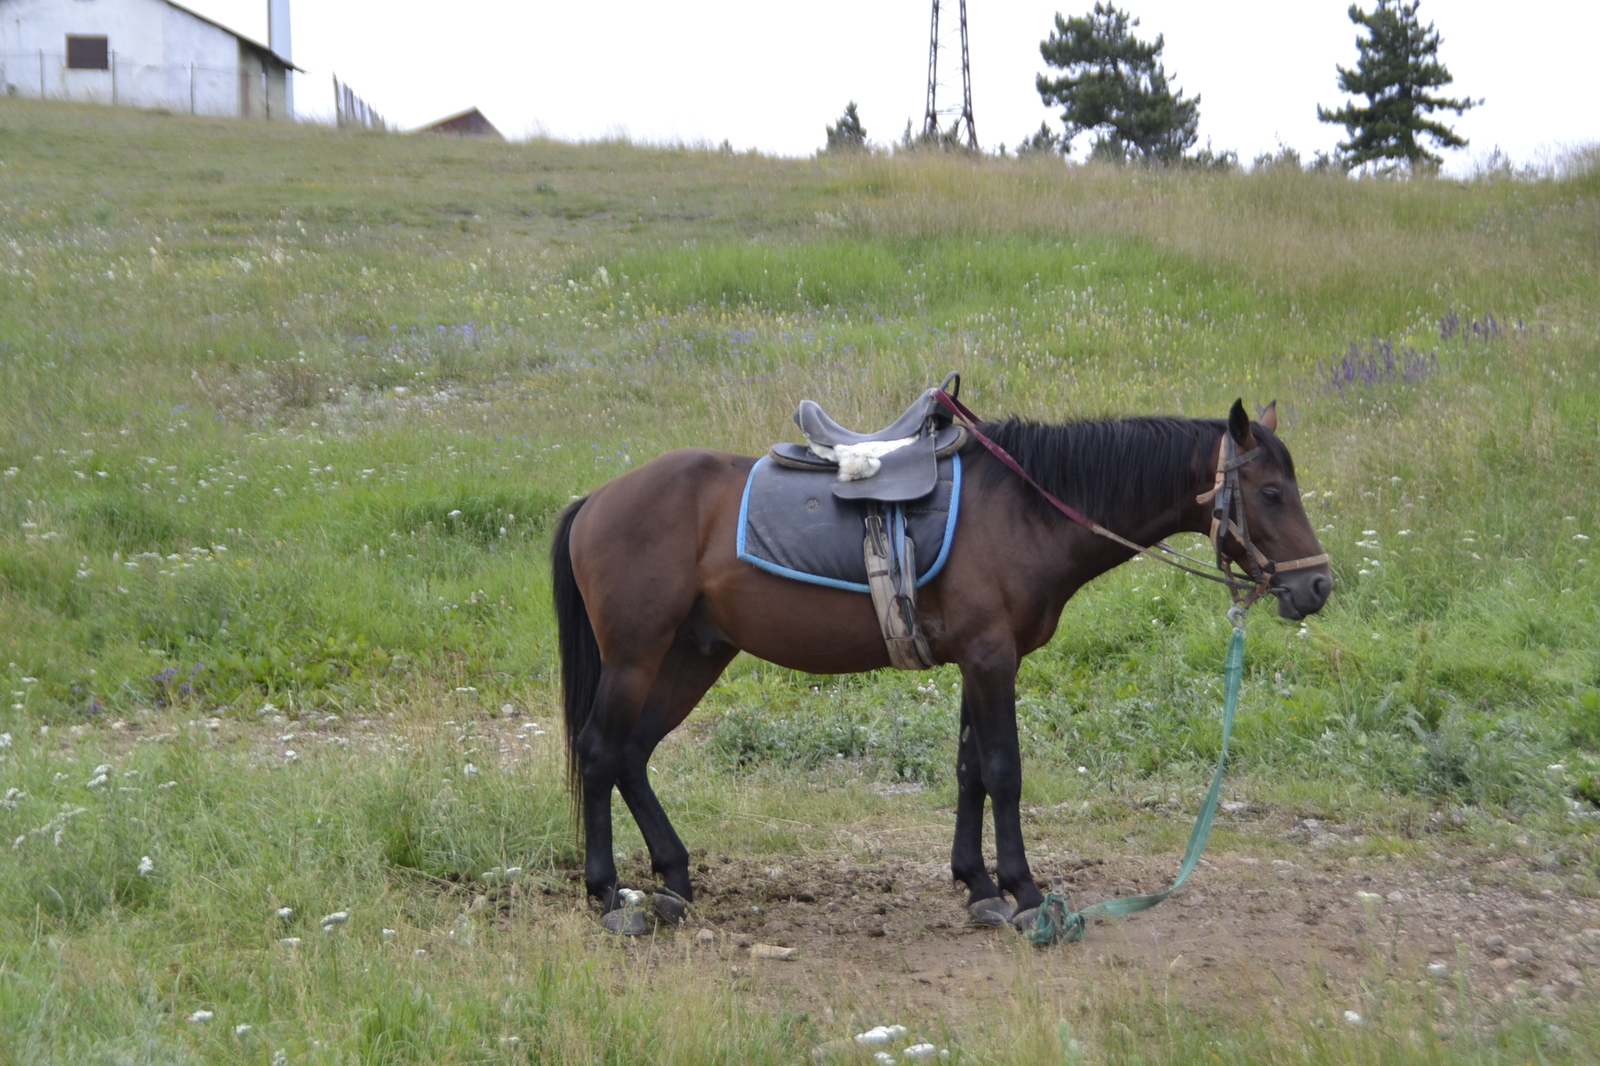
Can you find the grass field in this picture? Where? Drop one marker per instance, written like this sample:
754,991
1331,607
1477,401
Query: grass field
289,413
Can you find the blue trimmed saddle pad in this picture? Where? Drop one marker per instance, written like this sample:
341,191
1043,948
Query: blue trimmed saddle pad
791,524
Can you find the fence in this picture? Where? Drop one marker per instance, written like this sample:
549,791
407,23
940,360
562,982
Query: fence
191,88
351,111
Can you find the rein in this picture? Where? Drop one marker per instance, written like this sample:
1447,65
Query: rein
1227,518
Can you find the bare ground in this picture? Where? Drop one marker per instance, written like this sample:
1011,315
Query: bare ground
878,926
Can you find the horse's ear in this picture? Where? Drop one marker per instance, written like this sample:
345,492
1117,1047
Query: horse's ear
1269,417
1239,426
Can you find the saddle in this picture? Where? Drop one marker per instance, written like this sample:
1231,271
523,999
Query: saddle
882,472
896,464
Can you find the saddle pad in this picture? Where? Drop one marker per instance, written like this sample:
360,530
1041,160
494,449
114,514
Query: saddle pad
791,524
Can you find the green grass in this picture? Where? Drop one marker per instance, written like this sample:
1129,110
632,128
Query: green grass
290,411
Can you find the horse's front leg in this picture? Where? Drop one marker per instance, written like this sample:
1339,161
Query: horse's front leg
966,852
990,696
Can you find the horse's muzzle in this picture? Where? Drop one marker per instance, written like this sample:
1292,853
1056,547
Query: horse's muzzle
1302,592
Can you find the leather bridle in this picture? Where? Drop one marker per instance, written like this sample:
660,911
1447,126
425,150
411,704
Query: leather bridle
1227,515
1228,519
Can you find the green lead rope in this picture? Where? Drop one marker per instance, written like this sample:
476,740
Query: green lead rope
1058,924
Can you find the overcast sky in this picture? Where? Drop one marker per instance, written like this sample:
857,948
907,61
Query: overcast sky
772,75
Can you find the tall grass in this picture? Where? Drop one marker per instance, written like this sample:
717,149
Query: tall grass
290,411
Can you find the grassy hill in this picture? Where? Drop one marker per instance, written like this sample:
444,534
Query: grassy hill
289,412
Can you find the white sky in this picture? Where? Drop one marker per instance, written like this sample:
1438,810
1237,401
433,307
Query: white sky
771,75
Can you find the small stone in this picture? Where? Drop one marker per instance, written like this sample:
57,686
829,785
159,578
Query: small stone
1352,1018
1438,969
706,936
1234,807
772,951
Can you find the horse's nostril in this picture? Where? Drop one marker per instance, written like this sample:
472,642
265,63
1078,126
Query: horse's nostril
1321,586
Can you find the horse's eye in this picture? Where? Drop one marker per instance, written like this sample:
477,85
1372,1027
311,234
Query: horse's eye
1272,495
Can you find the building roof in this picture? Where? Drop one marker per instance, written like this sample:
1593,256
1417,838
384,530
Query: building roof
252,42
468,123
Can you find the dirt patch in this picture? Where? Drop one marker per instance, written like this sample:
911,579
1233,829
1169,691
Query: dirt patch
892,922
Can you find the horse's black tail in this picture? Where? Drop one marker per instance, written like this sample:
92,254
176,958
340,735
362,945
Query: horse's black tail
580,652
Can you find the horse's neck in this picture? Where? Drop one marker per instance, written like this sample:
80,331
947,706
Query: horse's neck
1147,522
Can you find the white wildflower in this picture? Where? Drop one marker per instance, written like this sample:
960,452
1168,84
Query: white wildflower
285,913
5,740
389,934
469,770
290,941
421,953
291,755
336,918
146,866
96,781
243,1029
1438,969
280,1058
17,843
200,1017
1352,1018
919,1051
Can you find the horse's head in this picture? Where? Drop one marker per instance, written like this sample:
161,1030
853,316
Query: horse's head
1285,546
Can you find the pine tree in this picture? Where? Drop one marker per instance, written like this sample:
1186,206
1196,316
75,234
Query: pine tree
1398,62
849,135
1114,85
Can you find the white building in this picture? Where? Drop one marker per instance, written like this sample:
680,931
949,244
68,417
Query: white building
144,53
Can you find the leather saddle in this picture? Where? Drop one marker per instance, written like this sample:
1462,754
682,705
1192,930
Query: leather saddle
894,465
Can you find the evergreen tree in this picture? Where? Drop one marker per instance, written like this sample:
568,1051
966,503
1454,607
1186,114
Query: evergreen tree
1043,141
849,135
1397,63
1113,84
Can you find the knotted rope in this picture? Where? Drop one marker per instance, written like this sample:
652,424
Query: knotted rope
1057,924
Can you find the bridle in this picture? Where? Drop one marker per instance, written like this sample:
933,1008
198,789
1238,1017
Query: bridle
1227,515
1228,519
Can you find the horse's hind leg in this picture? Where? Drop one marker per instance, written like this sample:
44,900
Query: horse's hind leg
618,699
685,675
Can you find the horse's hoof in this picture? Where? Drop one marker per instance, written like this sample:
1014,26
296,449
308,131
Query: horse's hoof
1023,920
994,911
626,921
670,907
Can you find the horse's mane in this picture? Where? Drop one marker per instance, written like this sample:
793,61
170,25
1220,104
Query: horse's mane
1108,469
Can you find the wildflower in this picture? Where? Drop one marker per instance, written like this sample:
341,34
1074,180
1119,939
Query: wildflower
200,1017
1404,533
1438,969
5,740
243,1029
280,1058
1369,532
166,785
96,781
17,843
1352,1018
285,913
421,953
336,918
291,755
389,934
1083,769
1580,536
146,866
469,770
290,941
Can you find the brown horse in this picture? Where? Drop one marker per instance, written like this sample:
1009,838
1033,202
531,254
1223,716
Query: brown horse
653,604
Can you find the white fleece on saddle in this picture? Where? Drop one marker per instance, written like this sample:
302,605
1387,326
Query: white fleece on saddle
857,462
